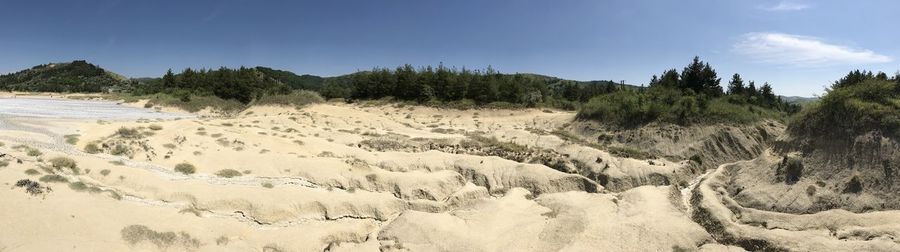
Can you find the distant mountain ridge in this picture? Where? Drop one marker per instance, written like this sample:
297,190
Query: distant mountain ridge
75,76
799,99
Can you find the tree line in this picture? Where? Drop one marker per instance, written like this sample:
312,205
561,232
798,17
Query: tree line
242,84
443,84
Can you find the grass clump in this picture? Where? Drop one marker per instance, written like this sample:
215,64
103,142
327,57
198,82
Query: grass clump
78,186
696,159
34,152
135,234
92,148
155,127
54,178
132,133
185,168
31,187
268,185
32,172
222,241
4,163
297,98
120,150
193,103
63,162
104,172
71,139
228,173
629,152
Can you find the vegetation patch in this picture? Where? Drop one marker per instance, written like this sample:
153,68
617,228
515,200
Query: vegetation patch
54,178
120,150
860,102
34,152
629,152
31,187
64,162
691,97
131,133
71,139
92,148
298,98
185,168
135,234
228,173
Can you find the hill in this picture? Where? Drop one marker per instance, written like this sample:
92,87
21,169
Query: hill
799,100
75,76
840,152
306,81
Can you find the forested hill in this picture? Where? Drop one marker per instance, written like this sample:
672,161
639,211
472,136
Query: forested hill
306,81
75,76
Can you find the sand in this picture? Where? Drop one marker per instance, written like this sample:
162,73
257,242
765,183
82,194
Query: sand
347,177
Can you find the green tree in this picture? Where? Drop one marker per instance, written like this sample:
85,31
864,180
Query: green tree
701,78
751,89
736,85
768,96
406,88
669,78
442,79
456,89
169,79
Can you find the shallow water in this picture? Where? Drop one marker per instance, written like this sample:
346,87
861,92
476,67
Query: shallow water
77,109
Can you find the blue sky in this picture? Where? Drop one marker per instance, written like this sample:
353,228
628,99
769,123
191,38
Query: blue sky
797,46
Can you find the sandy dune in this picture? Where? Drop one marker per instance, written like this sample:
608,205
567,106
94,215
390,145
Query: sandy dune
345,177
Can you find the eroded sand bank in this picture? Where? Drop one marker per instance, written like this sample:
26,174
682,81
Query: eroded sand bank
336,177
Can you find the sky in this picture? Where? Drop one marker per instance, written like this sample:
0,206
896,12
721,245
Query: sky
799,47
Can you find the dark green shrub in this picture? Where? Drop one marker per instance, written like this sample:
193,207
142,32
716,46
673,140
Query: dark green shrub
697,159
92,148
128,133
228,173
185,168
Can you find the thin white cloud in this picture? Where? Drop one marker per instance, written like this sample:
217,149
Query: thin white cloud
802,51
786,6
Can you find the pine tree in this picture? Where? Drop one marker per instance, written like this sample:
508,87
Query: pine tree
169,80
701,78
406,88
768,96
669,78
456,89
709,81
736,85
424,84
751,89
691,76
441,82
